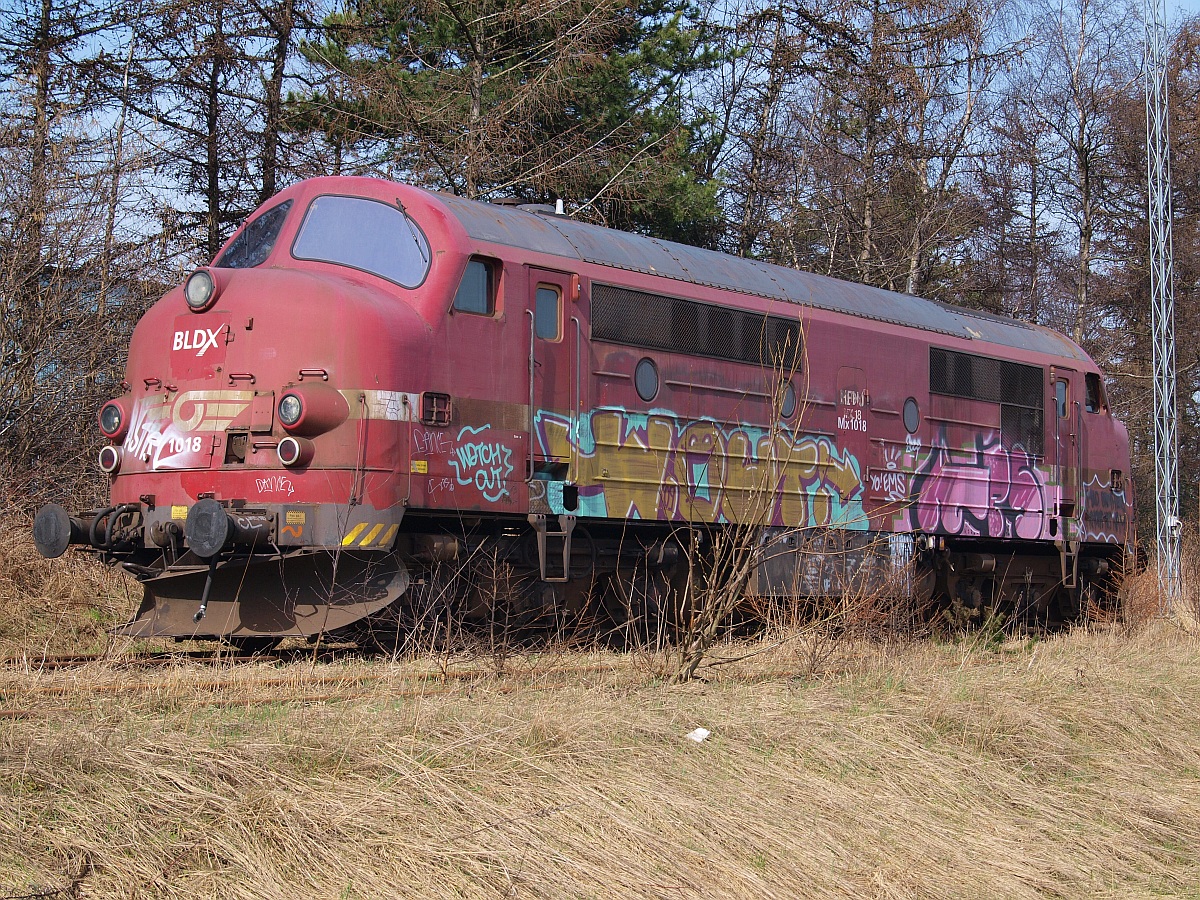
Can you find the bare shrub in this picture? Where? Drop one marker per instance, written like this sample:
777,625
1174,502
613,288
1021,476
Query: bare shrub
55,606
1188,612
1141,601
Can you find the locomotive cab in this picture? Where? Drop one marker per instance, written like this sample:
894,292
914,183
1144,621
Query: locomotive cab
261,423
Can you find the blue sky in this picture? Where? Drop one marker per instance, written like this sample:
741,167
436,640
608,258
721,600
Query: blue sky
1176,9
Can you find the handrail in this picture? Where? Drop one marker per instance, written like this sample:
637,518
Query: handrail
573,436
532,334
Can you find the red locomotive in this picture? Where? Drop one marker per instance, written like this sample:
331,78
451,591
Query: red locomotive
375,386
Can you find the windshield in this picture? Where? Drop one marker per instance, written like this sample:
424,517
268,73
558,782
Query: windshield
252,247
364,234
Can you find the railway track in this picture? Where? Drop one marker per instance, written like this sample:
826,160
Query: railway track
221,656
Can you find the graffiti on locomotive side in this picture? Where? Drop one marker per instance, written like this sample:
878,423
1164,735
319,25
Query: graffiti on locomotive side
176,433
432,443
989,490
892,482
658,466
481,460
1105,511
275,484
439,485
889,484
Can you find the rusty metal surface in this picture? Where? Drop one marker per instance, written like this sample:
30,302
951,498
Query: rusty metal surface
830,563
561,236
253,599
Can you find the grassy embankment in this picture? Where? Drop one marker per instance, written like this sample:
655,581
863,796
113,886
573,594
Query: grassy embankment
1067,767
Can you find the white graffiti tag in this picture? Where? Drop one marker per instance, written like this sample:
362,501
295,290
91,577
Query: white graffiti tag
483,462
275,484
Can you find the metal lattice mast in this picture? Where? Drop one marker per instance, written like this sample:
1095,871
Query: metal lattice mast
1162,304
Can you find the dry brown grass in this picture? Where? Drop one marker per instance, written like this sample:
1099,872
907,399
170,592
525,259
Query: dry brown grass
1141,600
1065,768
50,606
837,767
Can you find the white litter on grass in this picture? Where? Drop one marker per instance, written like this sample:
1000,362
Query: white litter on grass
699,735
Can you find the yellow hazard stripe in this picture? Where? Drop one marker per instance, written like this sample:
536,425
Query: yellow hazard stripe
353,535
369,539
371,535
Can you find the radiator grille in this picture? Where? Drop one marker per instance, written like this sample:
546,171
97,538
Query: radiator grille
1018,388
984,378
657,322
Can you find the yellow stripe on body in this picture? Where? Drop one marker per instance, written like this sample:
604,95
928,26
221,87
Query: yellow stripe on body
371,535
353,535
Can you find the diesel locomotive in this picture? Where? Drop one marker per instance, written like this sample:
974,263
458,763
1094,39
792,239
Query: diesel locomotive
377,397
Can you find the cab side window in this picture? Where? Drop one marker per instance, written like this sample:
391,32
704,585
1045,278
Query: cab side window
477,290
1094,401
252,247
546,312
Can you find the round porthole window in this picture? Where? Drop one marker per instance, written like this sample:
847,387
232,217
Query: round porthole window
912,415
645,379
788,407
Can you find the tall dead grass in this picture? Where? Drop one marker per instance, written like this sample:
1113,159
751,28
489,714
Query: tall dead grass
60,605
1141,601
1063,768
842,762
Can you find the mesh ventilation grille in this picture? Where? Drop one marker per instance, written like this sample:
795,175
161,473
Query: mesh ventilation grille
984,378
1018,389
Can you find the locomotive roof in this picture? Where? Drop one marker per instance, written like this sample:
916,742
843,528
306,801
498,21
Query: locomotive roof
532,228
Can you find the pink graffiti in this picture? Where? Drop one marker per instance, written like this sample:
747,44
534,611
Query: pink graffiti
999,493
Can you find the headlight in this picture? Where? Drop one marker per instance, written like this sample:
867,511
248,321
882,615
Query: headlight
290,409
311,409
199,290
114,419
110,419
295,451
109,460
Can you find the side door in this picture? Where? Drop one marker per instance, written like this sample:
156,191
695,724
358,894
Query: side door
1065,384
555,335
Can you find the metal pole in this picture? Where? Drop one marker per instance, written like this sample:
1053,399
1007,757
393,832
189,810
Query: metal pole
1162,306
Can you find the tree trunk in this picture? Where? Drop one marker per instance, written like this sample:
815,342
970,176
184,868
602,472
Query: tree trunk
282,21
212,142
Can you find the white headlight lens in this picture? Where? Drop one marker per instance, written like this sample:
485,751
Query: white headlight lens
110,419
290,409
199,289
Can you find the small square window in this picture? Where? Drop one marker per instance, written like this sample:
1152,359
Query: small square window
477,290
435,408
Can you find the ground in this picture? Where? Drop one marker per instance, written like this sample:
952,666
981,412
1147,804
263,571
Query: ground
981,764
1065,767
